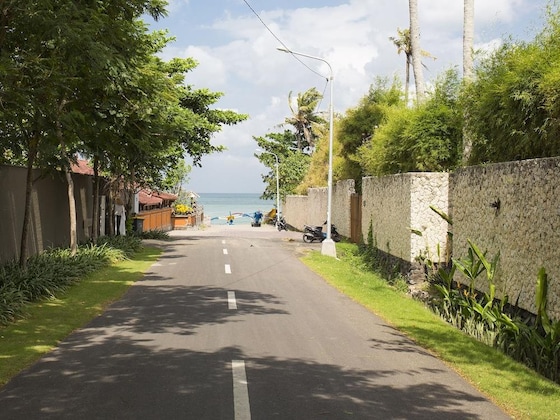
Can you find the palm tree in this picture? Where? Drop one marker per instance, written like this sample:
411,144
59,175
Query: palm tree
415,50
402,42
304,117
468,36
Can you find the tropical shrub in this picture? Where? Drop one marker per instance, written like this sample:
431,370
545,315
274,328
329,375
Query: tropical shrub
427,137
49,274
512,105
536,343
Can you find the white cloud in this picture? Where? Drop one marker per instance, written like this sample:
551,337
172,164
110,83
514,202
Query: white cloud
238,56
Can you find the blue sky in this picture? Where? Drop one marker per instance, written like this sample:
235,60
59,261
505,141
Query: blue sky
237,55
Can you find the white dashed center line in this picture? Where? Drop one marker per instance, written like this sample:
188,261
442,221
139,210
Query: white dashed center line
227,268
232,303
240,392
225,251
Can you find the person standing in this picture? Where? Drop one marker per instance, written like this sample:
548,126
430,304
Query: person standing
120,214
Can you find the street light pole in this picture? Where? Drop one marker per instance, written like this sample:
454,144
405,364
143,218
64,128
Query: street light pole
278,212
328,246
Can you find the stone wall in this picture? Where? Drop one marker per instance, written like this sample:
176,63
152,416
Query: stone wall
311,209
511,208
514,209
341,214
398,205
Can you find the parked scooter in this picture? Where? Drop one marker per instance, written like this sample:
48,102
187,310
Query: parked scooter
281,224
315,233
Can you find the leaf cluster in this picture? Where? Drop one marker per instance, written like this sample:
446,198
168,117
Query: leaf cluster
85,77
512,106
425,138
49,274
292,162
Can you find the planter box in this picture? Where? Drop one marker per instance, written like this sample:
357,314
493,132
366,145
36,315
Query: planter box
183,221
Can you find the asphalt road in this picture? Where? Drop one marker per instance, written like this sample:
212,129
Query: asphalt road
229,324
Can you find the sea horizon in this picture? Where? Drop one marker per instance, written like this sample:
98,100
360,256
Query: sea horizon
218,206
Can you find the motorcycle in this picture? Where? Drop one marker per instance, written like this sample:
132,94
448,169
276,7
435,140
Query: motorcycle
281,224
315,233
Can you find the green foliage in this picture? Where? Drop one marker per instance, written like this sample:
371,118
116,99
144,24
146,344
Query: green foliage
129,245
304,119
512,105
48,275
154,234
424,138
485,318
292,163
359,124
119,104
176,177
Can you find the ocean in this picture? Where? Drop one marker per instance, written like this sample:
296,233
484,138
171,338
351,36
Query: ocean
217,206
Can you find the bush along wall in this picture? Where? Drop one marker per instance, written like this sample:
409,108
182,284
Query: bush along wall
532,340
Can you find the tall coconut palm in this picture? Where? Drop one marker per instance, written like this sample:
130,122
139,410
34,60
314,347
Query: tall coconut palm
468,40
468,37
415,50
304,117
402,42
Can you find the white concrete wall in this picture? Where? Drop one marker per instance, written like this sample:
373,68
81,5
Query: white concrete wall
311,209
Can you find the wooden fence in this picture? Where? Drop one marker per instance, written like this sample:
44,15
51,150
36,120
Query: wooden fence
157,219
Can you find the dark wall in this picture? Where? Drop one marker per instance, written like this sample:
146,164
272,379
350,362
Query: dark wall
50,220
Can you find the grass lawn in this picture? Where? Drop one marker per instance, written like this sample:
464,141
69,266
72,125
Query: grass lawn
46,323
521,392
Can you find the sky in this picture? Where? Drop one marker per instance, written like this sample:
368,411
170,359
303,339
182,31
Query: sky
237,55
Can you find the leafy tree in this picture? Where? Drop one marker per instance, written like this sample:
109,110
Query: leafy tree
359,124
317,172
424,138
512,105
176,177
118,103
292,165
45,75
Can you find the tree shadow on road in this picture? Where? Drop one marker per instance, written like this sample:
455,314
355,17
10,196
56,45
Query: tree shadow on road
115,377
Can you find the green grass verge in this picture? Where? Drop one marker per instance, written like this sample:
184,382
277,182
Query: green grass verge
46,323
521,392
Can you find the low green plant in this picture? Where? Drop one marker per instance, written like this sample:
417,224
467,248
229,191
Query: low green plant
536,345
485,317
154,234
49,274
129,244
46,323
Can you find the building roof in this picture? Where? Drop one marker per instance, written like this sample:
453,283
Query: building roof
81,167
147,198
151,198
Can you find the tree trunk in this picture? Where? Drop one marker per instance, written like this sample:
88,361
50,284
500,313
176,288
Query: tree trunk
70,181
407,79
95,211
468,37
72,212
468,40
32,153
415,50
